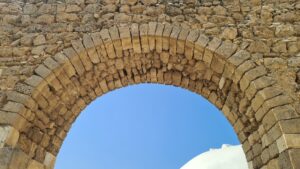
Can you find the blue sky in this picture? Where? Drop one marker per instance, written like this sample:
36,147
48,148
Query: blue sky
144,126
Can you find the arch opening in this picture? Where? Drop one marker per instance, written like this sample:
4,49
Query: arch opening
152,126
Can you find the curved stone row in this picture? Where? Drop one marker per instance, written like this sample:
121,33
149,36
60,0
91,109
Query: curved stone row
41,110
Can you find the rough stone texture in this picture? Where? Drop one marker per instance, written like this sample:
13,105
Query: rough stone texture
58,56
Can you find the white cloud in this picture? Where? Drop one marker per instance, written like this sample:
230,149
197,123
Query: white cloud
227,157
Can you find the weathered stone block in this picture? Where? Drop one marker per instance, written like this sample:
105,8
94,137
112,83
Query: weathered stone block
74,59
289,159
49,161
200,46
263,95
239,57
80,50
125,37
173,40
115,37
8,136
181,41
271,103
104,33
129,2
35,165
210,49
226,50
190,43
136,38
252,75
273,164
166,36
257,85
90,47
67,65
21,98
277,114
158,37
144,38
151,35
149,2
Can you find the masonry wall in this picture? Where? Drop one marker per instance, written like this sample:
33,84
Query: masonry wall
161,41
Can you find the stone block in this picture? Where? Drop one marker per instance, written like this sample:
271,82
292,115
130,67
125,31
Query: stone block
39,40
294,156
125,37
252,75
21,98
289,159
67,65
158,37
41,100
151,35
42,71
226,50
49,161
173,40
210,49
50,79
239,57
34,81
129,2
8,136
258,46
277,114
115,37
182,40
63,78
51,64
238,126
99,44
20,160
257,85
273,150
273,164
265,156
144,38
119,64
263,95
75,60
136,44
33,164
149,2
176,78
240,70
290,126
13,119
271,103
90,48
14,107
200,46
80,50
104,86
190,42
153,75
104,33
217,64
5,157
166,36
164,56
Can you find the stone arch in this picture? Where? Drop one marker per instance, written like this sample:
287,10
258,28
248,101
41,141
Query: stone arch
41,109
